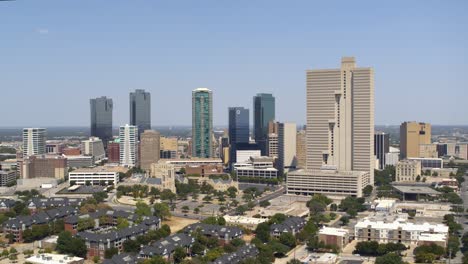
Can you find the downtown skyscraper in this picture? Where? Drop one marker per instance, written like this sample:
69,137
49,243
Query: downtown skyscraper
238,129
264,112
202,123
101,118
140,110
128,136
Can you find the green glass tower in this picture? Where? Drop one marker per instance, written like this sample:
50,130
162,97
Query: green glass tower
202,123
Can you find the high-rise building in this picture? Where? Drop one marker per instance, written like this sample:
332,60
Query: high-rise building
272,145
113,151
340,130
93,147
238,128
140,110
287,147
149,149
381,147
128,136
413,134
202,123
264,112
301,149
101,118
34,141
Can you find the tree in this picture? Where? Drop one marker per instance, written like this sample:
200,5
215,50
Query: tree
390,258
100,196
96,259
162,210
287,239
213,220
131,246
367,248
277,218
142,209
122,223
196,210
66,244
428,253
418,178
367,191
241,209
263,232
168,195
179,254
264,203
344,220
232,192
109,253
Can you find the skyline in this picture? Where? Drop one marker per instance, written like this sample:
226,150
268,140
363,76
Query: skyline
68,53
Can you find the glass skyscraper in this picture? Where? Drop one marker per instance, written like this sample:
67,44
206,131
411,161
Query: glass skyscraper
238,129
101,118
264,112
140,110
202,123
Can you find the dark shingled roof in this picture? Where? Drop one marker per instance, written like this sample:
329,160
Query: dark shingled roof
247,251
215,230
167,245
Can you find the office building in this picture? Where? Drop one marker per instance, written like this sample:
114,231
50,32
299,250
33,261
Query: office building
128,136
168,154
101,118
93,147
256,167
95,176
287,147
381,147
408,171
169,143
238,129
413,134
430,162
246,150
113,151
34,141
272,145
149,149
54,147
428,151
273,127
392,158
43,166
202,123
80,161
140,110
340,130
7,177
301,150
264,112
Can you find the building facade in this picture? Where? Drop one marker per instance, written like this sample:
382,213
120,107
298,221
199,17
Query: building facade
264,112
34,141
95,176
101,118
93,147
149,149
113,151
301,150
128,136
272,145
238,128
413,134
381,147
165,172
202,123
43,166
140,110
407,170
287,147
7,177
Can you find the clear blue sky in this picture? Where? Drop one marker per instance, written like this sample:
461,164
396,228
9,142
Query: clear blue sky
55,55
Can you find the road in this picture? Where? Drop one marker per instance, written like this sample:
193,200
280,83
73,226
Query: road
267,197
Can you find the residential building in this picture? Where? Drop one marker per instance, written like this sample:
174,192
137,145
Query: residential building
287,147
149,149
381,147
95,176
7,177
340,130
338,237
43,166
264,112
413,134
244,252
34,141
301,150
128,136
407,171
166,247
238,129
113,151
291,225
140,110
202,123
225,234
101,118
272,145
165,172
93,147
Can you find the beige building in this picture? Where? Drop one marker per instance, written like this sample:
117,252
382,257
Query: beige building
149,148
43,166
338,237
169,143
428,151
165,172
93,147
301,149
407,170
272,145
287,146
412,135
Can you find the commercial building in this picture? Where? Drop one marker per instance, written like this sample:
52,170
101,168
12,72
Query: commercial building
413,134
43,166
101,118
204,170
34,141
381,148
128,136
272,145
407,171
429,162
392,158
264,112
301,150
165,172
71,151
54,147
168,154
202,123
93,147
257,167
168,143
428,151
149,149
238,129
140,110
182,163
400,231
287,147
7,177
457,150
338,237
113,151
340,131
246,150
79,161
95,176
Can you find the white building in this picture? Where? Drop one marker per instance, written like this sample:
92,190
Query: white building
287,133
392,157
128,136
261,167
34,141
245,155
95,176
93,147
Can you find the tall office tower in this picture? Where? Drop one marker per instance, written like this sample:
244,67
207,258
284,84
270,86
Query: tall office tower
202,123
272,145
93,147
238,129
287,147
128,136
149,149
264,112
301,149
381,147
413,134
140,110
340,130
34,141
101,118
